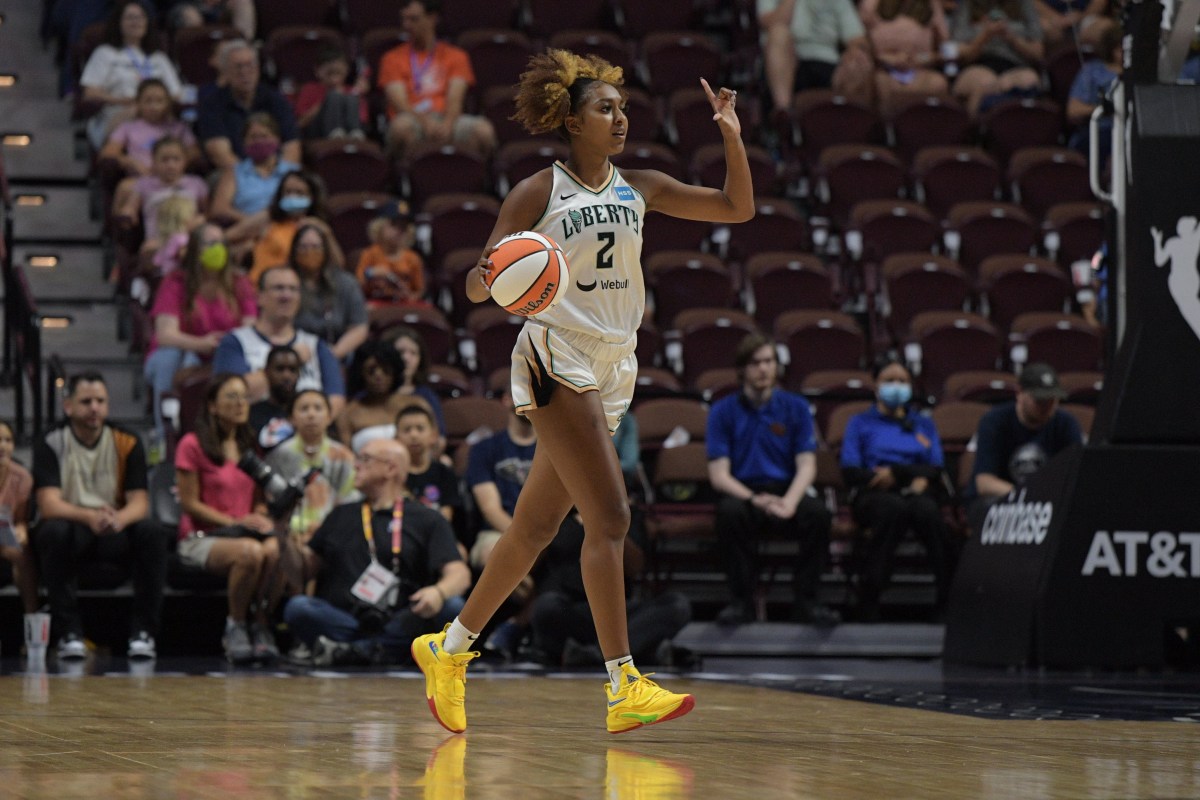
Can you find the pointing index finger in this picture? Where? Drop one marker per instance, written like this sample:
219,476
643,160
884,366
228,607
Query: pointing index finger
708,90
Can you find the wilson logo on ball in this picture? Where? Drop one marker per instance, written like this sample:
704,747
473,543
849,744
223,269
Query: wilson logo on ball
528,271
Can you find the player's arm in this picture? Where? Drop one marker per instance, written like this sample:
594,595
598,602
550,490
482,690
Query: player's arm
732,203
522,208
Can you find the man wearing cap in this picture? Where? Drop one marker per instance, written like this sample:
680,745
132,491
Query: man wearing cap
1015,439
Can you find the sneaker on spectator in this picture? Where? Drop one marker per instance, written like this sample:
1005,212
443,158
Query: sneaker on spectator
71,647
238,648
328,653
142,646
300,655
264,643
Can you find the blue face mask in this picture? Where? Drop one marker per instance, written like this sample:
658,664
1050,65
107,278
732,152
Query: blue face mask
894,395
293,203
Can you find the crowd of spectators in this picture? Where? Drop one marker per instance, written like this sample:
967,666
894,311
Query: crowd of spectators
222,211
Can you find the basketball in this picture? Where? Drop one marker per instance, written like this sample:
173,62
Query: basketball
529,272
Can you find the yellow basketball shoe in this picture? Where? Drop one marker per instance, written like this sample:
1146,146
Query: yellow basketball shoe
445,679
640,701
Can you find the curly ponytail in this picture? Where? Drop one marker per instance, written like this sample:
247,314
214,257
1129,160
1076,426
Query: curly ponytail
553,85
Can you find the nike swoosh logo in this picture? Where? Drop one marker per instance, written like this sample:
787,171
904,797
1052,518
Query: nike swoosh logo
434,648
587,288
567,196
612,703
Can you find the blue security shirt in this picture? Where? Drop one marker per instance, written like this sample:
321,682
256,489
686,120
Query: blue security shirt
761,443
875,440
1001,435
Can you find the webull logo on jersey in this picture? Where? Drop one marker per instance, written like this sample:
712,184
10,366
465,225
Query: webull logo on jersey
1016,522
579,219
1124,554
533,305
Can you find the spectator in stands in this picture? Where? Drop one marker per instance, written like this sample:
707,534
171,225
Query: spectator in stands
1092,83
222,114
1000,42
132,142
430,482
129,55
561,624
625,439
311,448
390,271
299,201
139,198
761,445
802,42
90,477
193,308
425,82
246,190
496,470
338,626
244,350
223,527
241,14
329,107
1015,439
331,303
414,354
269,418
176,218
373,382
1080,22
892,464
904,37
16,489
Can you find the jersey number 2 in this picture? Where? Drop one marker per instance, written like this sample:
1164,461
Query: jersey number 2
603,257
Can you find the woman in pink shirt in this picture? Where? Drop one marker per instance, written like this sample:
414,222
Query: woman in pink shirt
223,529
194,307
16,485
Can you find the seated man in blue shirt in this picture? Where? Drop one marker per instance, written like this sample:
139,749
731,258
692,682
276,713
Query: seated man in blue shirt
891,463
761,447
1014,440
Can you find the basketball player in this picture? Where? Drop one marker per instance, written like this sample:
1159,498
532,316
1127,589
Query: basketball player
574,366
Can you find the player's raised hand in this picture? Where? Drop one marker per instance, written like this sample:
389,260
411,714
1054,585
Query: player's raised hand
723,103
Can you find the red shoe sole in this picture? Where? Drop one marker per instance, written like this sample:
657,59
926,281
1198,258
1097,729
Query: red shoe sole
687,705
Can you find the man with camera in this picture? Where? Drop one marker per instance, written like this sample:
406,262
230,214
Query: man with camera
387,569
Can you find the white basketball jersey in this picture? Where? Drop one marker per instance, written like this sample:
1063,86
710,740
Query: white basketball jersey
600,233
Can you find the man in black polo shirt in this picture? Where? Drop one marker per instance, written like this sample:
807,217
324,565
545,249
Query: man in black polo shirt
222,115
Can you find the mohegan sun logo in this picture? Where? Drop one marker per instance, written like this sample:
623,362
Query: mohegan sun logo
1183,252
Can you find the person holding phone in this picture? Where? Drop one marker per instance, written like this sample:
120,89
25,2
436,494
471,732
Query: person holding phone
1001,44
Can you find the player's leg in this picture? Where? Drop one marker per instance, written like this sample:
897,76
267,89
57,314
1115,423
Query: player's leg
541,508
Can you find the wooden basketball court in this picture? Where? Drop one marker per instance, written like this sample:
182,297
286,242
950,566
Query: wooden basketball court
329,735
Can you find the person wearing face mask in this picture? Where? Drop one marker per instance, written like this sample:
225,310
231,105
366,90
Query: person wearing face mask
224,113
193,308
331,302
244,190
298,202
892,464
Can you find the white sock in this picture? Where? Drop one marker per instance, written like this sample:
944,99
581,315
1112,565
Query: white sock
614,670
458,638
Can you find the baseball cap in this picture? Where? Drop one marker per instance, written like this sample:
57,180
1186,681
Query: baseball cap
1041,382
396,211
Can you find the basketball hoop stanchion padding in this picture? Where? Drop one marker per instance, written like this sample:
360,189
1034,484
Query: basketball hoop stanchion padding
1100,557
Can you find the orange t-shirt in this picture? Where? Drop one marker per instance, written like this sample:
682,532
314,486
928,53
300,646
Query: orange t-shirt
426,76
407,267
273,248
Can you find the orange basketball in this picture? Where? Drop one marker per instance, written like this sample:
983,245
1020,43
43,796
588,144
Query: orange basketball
529,273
